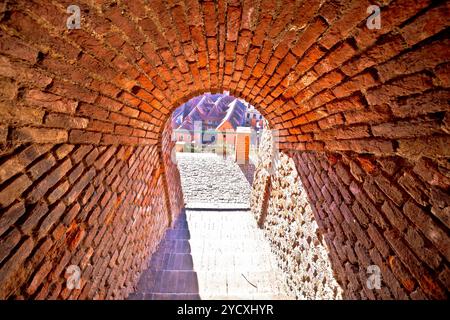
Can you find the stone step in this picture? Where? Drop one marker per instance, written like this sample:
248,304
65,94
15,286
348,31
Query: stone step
180,223
258,296
171,261
251,243
200,206
209,255
168,281
164,296
208,230
177,234
208,284
174,246
238,283
225,261
172,296
189,296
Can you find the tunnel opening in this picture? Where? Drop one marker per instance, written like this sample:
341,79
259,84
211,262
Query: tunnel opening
225,198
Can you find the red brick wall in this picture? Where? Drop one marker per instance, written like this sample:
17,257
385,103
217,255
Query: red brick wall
312,68
100,208
382,211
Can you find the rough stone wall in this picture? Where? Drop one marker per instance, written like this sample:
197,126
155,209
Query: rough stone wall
281,207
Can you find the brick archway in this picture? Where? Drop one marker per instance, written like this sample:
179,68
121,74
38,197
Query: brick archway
83,175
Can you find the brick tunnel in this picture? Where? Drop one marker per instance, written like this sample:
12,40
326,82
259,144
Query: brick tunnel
85,171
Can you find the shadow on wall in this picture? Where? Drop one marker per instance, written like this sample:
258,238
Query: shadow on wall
281,207
248,170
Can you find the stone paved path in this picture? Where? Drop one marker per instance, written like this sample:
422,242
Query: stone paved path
207,178
210,253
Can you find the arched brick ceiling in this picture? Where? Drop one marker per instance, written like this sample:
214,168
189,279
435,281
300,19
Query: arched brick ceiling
313,69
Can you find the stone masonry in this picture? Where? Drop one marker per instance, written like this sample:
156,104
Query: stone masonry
281,207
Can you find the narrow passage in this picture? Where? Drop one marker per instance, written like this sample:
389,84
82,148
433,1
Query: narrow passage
214,250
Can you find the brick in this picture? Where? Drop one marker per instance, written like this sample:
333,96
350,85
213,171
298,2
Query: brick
336,58
58,192
309,36
417,244
389,189
431,147
50,180
17,48
414,61
428,102
51,218
10,167
371,146
63,151
78,136
91,157
405,86
14,114
65,121
413,186
372,115
39,277
14,190
430,229
344,173
8,243
373,191
402,274
394,215
347,133
233,19
79,186
405,129
3,134
50,102
378,240
33,217
421,28
39,135
92,111
42,167
369,208
414,266
11,266
386,49
66,89
70,214
352,103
